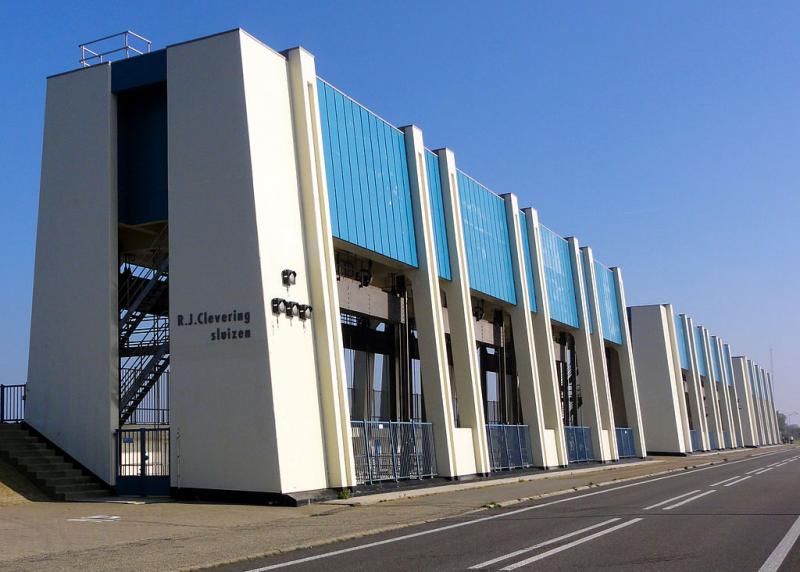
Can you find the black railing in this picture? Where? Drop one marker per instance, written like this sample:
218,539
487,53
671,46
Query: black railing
509,446
393,450
12,403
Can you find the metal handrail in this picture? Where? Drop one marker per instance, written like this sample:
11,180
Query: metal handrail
100,55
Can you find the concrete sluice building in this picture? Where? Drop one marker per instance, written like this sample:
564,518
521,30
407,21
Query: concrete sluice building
279,293
695,395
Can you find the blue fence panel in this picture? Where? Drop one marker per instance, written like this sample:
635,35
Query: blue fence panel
715,360
700,350
509,446
607,299
625,446
585,280
367,174
726,352
559,278
437,212
727,440
683,345
712,439
695,440
579,444
526,254
486,239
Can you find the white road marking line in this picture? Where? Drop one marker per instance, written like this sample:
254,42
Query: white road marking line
542,544
725,481
496,516
571,545
96,518
662,503
754,470
690,499
778,555
765,470
739,481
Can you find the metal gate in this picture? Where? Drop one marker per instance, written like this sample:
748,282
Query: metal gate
143,462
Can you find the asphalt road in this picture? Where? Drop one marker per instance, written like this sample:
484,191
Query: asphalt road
742,515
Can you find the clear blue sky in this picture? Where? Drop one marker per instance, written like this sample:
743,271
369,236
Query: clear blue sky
664,134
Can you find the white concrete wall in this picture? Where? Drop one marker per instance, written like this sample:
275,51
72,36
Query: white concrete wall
73,364
697,397
658,379
245,412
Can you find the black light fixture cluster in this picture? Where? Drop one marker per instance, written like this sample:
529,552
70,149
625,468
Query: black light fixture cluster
291,309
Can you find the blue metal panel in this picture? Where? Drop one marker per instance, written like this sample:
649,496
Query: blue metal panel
715,361
437,212
367,174
683,346
585,280
526,254
700,350
486,239
726,352
559,278
607,299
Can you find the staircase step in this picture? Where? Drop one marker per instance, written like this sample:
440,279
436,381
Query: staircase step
65,488
56,473
98,492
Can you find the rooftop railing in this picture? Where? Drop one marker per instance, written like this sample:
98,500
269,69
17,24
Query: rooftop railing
116,46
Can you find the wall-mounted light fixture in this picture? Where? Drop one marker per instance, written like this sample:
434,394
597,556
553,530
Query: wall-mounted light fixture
292,309
289,277
364,278
478,312
278,305
305,311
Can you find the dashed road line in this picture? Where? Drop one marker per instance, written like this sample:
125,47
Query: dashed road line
687,501
779,554
662,503
542,544
739,481
571,544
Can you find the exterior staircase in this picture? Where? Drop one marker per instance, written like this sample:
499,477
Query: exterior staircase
45,466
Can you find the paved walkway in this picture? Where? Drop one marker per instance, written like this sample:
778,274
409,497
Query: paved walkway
176,535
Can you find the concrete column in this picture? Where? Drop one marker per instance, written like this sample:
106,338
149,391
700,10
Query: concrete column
749,434
555,440
462,330
524,347
683,406
696,394
773,411
630,385
587,376
726,418
762,379
733,394
428,311
712,399
752,375
660,388
322,274
597,341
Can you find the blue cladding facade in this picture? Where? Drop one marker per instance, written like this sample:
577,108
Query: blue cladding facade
437,213
715,360
700,350
726,352
486,239
526,252
607,299
559,278
683,346
367,175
